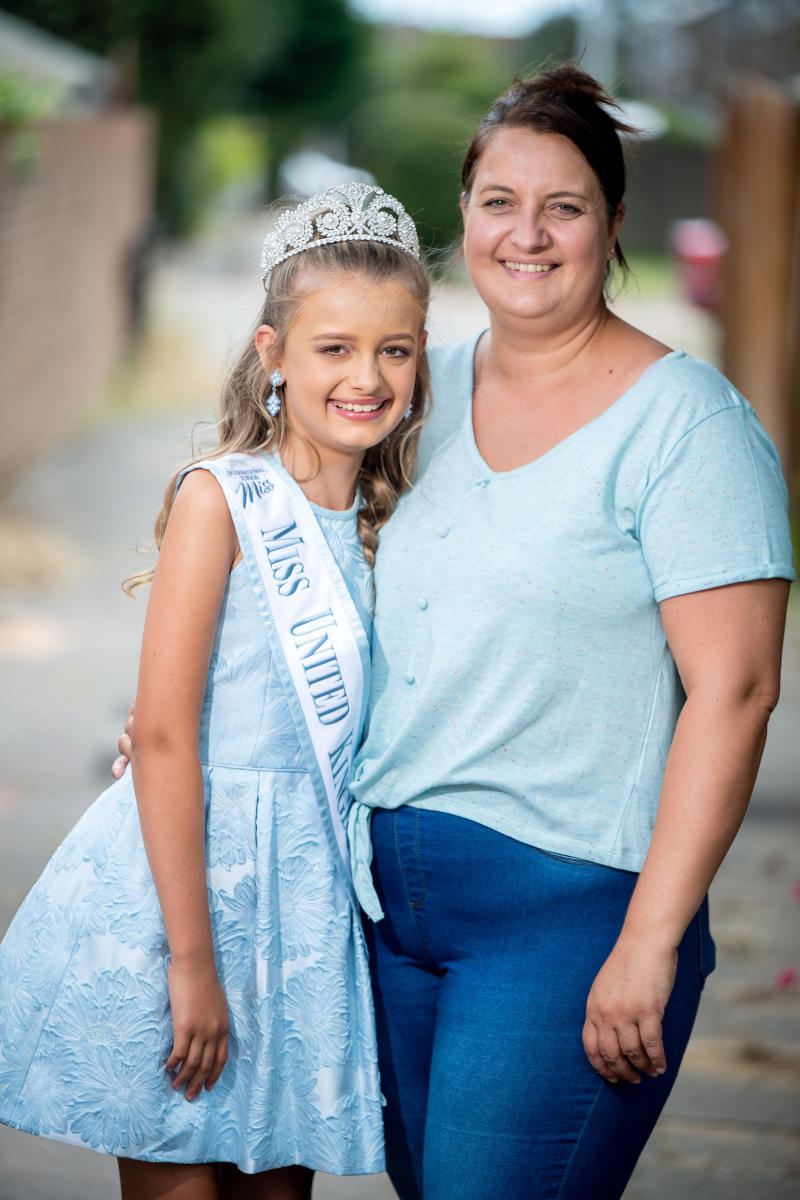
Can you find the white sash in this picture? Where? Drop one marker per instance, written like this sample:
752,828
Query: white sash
320,636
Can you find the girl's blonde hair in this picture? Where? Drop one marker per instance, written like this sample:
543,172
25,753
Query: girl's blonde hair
246,427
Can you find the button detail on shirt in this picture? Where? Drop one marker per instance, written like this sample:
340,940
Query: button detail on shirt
443,532
483,483
422,603
409,677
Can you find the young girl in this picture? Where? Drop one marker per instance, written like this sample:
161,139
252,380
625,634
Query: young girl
186,987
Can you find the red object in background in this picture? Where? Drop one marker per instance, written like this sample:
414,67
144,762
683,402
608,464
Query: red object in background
699,247
786,978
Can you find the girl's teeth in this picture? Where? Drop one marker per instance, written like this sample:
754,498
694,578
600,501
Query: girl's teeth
530,267
359,407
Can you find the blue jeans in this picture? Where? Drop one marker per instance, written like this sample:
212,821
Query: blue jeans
481,969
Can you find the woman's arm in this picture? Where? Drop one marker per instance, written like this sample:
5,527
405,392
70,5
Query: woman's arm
726,643
190,577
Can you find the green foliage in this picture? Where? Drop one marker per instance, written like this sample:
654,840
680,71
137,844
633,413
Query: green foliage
423,98
470,68
687,126
22,103
227,153
309,51
413,142
200,57
652,273
405,103
552,43
309,75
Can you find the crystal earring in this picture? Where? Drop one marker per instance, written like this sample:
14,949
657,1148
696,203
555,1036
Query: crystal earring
408,414
273,404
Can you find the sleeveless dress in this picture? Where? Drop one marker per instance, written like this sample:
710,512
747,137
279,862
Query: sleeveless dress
85,1024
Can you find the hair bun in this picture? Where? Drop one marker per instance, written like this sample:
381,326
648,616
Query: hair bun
568,82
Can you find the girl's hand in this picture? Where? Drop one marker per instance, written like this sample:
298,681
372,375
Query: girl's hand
199,1027
622,1033
124,745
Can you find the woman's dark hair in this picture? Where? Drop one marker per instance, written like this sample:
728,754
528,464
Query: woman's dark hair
561,100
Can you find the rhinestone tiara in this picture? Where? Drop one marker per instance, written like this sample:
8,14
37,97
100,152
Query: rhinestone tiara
349,212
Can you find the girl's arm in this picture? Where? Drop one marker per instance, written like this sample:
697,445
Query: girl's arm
198,548
726,643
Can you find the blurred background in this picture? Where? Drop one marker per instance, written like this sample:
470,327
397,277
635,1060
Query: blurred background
142,145
133,129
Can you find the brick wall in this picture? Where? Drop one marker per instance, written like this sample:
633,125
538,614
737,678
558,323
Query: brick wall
67,228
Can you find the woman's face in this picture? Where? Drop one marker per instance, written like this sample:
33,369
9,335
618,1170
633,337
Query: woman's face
537,237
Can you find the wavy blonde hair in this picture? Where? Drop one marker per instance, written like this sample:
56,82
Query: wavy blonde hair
245,425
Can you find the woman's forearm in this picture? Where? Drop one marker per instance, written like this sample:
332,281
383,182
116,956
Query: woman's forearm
708,780
707,783
726,643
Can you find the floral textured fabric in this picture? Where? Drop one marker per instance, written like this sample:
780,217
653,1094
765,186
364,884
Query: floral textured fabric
85,1024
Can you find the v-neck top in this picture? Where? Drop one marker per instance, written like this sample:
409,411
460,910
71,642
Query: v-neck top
521,676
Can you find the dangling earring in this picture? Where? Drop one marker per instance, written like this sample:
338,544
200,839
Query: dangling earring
273,403
408,414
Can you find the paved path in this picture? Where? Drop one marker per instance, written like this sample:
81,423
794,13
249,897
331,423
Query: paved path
67,669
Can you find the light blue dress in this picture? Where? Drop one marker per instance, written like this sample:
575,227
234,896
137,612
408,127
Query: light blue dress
85,1025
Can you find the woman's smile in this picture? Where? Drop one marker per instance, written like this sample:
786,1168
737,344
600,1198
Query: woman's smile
527,268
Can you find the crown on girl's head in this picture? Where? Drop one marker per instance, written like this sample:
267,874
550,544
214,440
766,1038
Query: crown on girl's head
350,212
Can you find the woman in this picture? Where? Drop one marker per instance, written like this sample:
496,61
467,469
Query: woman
579,621
577,642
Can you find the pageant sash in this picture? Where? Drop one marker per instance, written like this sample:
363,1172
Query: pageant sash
321,645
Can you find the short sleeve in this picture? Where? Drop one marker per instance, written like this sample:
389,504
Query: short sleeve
715,511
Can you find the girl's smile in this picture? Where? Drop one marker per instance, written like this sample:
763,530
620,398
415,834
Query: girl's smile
358,410
349,359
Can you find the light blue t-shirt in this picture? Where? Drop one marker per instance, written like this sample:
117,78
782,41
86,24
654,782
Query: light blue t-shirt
520,672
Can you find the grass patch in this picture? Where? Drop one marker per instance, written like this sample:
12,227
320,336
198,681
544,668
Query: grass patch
652,275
